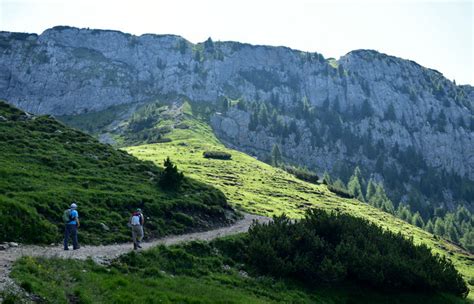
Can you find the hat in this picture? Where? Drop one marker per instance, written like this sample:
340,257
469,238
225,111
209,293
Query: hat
138,209
73,206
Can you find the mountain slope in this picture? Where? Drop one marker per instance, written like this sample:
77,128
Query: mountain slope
45,165
257,187
405,124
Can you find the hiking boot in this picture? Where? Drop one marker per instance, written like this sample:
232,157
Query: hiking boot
66,248
138,245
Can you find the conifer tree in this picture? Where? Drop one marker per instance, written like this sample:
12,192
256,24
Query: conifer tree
354,187
170,178
370,190
339,184
276,158
429,226
417,220
439,227
387,206
379,197
467,240
404,213
263,115
326,178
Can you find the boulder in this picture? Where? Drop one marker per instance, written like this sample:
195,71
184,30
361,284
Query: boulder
104,227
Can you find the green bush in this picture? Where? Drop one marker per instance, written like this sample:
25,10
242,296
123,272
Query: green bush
338,247
303,174
217,155
340,191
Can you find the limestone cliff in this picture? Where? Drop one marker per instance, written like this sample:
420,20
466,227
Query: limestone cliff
392,104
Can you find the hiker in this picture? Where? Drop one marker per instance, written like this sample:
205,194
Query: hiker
71,219
136,222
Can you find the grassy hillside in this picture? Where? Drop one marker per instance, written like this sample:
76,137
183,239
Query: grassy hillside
44,165
191,273
257,187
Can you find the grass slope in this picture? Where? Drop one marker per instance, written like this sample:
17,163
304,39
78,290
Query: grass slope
256,187
44,165
191,273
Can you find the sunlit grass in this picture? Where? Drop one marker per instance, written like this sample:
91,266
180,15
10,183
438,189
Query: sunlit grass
256,187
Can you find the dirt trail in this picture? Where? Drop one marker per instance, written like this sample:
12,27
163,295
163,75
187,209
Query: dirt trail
103,254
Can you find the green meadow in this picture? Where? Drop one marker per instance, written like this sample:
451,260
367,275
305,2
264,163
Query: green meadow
256,187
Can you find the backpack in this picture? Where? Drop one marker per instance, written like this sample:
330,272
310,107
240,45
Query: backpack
136,219
67,217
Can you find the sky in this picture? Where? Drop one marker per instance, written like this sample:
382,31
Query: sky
437,34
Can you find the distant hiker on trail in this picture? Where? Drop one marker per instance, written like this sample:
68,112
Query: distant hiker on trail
136,222
71,219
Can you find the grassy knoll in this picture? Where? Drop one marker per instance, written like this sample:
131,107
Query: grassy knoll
44,165
257,187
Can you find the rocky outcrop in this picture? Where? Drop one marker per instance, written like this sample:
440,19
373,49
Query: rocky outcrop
69,71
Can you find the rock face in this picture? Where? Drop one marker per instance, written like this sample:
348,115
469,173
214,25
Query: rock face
394,102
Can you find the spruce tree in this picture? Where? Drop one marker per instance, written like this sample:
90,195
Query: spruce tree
439,227
326,178
276,158
387,206
170,178
417,220
354,187
370,190
404,213
379,197
467,240
339,184
429,226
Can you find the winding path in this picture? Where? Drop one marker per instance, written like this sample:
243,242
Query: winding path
103,254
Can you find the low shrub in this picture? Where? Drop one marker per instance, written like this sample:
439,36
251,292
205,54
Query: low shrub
331,248
303,174
217,155
340,191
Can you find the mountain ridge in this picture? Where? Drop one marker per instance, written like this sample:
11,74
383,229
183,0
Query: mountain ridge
375,97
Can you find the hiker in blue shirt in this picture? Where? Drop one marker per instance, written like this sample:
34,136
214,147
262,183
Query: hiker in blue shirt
71,219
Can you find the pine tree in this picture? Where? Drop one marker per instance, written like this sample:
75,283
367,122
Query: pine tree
439,227
450,229
462,214
326,178
451,232
417,220
339,184
379,197
370,190
263,115
253,121
354,187
429,226
404,213
387,206
170,177
276,158
467,240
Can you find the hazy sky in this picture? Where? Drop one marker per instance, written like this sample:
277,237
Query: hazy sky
436,34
